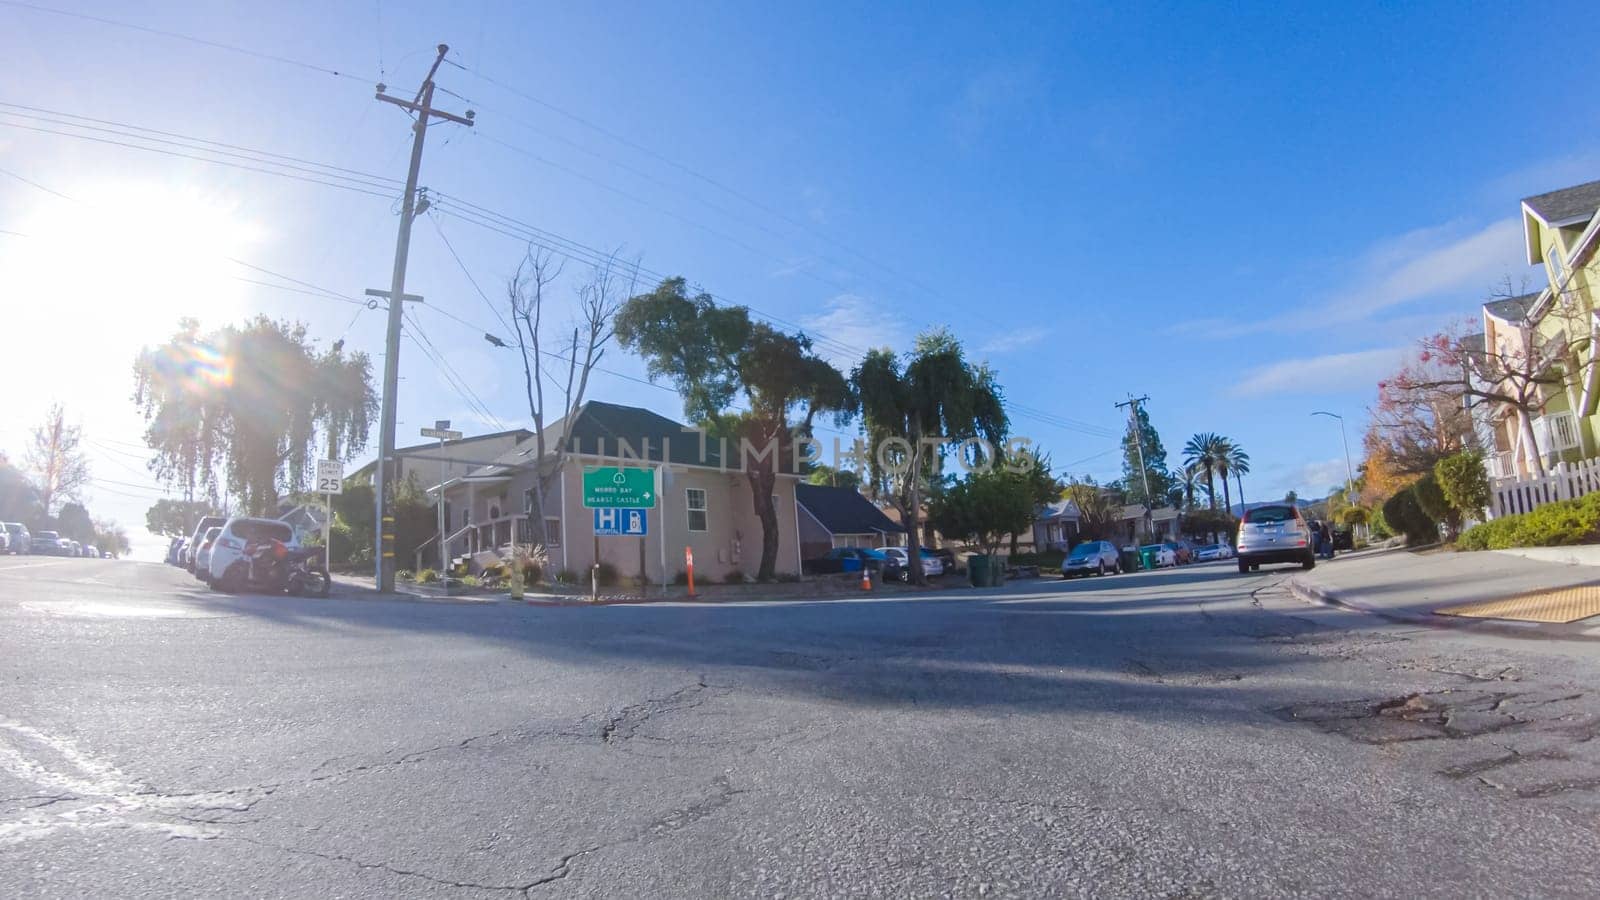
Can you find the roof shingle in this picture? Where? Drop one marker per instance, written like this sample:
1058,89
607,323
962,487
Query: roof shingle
1511,309
844,510
1580,201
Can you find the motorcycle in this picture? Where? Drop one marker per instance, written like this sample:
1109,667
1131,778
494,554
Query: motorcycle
272,567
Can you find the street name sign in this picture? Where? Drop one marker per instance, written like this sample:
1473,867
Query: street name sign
442,434
330,476
622,522
614,487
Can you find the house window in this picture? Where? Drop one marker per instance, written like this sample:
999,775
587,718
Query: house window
466,517
695,501
527,500
1552,257
552,527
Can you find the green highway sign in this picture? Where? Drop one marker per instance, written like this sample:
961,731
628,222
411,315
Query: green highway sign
613,487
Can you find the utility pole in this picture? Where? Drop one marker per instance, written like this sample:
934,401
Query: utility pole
422,106
1138,442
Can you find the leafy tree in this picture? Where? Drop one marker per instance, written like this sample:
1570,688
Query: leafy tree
1098,514
19,499
985,506
243,409
828,476
714,354
1291,498
59,468
73,522
111,537
1154,458
1422,416
1464,482
1215,523
176,518
934,394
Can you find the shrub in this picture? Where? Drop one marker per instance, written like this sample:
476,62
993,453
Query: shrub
606,574
1464,482
427,576
734,576
1431,498
1551,525
1404,513
471,580
681,578
405,575
567,576
1044,559
787,577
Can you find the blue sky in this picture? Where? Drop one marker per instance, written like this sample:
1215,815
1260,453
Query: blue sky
1244,214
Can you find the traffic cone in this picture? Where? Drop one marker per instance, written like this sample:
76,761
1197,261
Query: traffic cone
866,579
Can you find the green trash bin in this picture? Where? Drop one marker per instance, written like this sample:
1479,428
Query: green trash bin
1147,557
979,569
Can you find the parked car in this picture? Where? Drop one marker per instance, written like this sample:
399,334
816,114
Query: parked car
1211,552
192,562
90,551
1092,557
5,541
843,559
175,552
74,549
1161,556
1277,533
947,557
48,543
20,539
202,557
241,535
1182,551
899,562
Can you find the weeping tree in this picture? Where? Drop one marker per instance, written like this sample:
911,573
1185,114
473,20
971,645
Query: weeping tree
932,396
242,411
715,355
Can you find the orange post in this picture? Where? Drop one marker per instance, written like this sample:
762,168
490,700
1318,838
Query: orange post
688,563
866,577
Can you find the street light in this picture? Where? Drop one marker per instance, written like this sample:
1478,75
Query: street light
1349,473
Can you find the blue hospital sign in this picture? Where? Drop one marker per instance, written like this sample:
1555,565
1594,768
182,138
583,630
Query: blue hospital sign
622,522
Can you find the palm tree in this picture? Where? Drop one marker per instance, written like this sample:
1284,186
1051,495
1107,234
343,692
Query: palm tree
1188,480
1201,453
1224,469
1239,464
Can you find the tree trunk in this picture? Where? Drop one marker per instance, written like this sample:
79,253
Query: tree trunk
762,481
913,528
1227,498
1530,443
1211,489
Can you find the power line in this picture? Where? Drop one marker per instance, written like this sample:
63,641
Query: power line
180,36
461,385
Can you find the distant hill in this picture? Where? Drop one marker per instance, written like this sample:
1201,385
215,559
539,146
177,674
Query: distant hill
1302,502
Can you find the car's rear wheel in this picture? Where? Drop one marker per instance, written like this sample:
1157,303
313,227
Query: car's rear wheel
1244,567
1101,569
1310,562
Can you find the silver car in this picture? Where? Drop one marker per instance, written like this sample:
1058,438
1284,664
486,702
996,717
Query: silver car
1276,533
1092,558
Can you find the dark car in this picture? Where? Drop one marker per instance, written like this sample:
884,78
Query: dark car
843,559
1344,539
49,543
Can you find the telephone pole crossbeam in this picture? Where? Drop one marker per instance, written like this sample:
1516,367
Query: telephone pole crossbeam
422,107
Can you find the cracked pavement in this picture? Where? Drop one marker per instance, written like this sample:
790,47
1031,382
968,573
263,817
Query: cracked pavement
1189,732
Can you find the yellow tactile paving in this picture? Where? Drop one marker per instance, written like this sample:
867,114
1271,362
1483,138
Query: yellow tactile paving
1557,606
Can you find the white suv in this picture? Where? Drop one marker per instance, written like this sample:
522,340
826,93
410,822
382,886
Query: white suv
240,533
1276,533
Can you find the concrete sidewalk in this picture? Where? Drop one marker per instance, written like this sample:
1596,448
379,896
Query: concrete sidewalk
1411,588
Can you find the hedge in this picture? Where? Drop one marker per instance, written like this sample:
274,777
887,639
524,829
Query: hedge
1552,525
1404,513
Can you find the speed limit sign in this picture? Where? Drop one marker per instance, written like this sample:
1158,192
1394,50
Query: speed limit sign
330,476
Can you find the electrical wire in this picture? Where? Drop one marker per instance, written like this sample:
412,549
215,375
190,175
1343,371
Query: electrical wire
176,35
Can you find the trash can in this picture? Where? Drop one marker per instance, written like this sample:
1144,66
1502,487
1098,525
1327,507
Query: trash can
1147,557
980,570
1130,559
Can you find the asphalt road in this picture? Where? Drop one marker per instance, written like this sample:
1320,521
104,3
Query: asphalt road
1185,733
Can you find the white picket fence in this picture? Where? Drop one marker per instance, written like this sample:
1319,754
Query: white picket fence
1563,481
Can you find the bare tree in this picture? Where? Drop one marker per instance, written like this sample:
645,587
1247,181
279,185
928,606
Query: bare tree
599,297
58,466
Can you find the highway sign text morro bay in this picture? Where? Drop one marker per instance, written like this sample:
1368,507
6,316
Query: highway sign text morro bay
613,487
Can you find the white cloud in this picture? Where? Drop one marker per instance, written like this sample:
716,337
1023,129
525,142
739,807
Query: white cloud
1401,270
1320,374
1015,339
857,323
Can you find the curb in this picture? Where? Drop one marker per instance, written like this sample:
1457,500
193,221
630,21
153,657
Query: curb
1317,595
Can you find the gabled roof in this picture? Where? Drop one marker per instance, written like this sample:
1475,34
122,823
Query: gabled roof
1568,205
1057,509
1511,309
521,434
843,510
614,431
